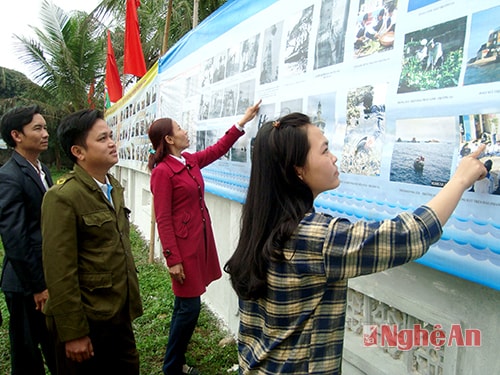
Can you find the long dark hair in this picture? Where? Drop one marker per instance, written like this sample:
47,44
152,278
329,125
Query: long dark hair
277,199
157,132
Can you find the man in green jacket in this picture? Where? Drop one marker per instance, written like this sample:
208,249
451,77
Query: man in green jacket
89,269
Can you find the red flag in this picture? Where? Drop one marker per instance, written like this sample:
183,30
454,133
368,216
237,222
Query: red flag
133,59
112,80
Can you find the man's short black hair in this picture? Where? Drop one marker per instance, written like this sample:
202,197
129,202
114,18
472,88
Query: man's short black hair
16,119
74,129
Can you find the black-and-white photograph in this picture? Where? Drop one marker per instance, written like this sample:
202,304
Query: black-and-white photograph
290,106
229,101
219,67
208,72
297,41
215,110
330,39
270,57
246,94
204,106
249,53
233,61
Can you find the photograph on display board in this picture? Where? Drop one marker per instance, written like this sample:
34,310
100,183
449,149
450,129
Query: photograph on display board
233,61
246,95
131,125
417,4
365,130
191,86
187,122
271,53
290,106
249,52
375,27
423,150
215,104
229,102
477,129
321,110
240,151
212,136
208,70
433,57
201,140
267,112
330,38
204,106
483,54
219,67
297,41
214,69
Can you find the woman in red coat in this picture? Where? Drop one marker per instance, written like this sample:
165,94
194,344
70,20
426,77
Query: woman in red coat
184,225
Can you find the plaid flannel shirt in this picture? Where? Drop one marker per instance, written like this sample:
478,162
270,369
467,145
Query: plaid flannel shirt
299,327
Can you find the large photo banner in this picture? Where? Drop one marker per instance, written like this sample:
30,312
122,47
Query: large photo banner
130,119
403,89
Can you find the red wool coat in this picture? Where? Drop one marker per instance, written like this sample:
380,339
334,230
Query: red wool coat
182,218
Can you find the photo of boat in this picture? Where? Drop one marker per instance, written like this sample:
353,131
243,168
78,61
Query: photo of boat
483,60
418,163
488,52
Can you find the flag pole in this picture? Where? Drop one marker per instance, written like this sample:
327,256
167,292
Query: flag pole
164,47
167,27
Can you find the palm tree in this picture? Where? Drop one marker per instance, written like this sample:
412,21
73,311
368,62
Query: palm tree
68,57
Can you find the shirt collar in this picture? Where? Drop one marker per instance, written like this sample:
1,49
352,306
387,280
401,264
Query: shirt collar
103,187
180,158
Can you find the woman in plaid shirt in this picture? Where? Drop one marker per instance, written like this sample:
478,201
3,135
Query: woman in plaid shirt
291,265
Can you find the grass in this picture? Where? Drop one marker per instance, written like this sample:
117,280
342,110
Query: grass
206,350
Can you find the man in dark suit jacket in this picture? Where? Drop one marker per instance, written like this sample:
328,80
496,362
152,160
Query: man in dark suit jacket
23,182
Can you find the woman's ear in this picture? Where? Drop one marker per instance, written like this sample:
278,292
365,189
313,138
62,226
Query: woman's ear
299,171
169,140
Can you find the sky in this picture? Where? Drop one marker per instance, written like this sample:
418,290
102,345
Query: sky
18,15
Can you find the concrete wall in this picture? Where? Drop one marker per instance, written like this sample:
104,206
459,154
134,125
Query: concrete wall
407,295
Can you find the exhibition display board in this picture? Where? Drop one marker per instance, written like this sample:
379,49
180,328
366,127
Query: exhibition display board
402,89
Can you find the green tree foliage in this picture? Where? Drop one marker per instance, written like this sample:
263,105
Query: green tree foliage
13,84
67,56
17,90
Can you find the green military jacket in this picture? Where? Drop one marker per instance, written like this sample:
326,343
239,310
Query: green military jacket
88,264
